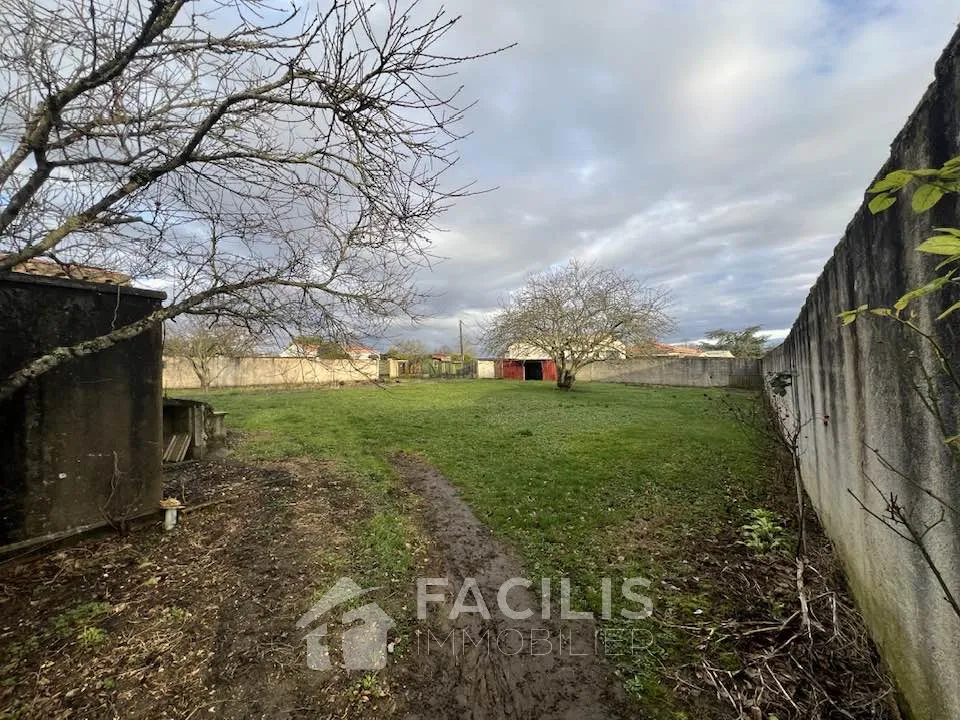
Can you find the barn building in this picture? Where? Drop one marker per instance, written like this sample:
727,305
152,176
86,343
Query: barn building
527,362
523,362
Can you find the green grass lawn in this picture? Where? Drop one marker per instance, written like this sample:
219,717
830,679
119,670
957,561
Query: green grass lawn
608,480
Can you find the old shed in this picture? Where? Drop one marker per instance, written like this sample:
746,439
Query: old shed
80,445
526,362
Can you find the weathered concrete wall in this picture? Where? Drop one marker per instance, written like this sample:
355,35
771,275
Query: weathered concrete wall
259,371
857,386
81,443
683,371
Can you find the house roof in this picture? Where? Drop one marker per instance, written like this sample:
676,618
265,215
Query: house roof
349,348
304,347
660,348
72,271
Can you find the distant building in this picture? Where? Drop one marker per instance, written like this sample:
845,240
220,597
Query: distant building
360,352
524,361
486,368
315,349
660,349
611,350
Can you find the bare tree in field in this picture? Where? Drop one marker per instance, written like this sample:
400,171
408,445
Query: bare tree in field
265,162
578,314
202,342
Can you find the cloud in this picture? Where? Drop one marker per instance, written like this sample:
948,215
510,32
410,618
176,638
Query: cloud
718,149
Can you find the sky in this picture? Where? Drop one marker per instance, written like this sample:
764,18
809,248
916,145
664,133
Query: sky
717,149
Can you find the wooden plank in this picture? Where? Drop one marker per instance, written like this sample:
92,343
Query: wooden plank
168,450
176,449
181,451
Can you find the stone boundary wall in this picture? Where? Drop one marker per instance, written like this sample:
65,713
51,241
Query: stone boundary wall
264,371
680,371
855,387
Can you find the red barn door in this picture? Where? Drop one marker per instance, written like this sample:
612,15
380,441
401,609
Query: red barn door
549,370
513,369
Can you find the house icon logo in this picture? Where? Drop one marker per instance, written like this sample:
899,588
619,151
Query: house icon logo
364,645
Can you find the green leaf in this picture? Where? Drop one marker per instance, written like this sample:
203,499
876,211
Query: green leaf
926,197
893,181
881,203
949,311
950,231
941,245
884,312
951,168
930,287
848,316
948,261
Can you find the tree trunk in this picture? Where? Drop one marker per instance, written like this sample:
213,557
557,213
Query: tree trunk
565,379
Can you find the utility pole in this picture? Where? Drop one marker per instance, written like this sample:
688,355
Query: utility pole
461,342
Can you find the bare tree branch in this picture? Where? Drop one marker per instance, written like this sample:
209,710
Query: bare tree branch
578,314
276,164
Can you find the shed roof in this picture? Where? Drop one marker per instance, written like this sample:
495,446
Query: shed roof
72,271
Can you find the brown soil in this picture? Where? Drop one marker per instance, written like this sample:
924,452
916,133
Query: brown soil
488,680
200,622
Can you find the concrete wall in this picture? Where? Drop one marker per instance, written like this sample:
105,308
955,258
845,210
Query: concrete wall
254,371
682,371
856,383
69,436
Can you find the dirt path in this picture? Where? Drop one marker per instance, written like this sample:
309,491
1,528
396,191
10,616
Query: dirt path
565,679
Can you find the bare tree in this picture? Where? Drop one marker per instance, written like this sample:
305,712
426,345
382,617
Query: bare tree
263,164
201,342
740,343
408,350
578,314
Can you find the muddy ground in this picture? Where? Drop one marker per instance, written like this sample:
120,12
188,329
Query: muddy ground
201,622
525,672
198,622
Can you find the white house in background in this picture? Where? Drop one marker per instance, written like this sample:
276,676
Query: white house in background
522,351
360,352
312,350
611,350
717,354
659,349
